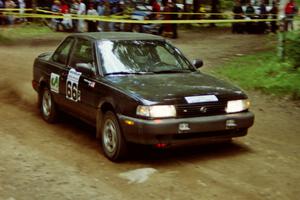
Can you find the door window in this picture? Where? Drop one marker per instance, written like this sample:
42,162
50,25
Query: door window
83,54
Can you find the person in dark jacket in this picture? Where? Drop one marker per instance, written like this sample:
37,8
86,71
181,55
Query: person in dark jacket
238,14
174,9
92,24
250,14
263,14
274,11
2,20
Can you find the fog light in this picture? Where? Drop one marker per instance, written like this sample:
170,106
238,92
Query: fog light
129,122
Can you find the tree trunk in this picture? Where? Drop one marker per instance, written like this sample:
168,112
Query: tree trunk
196,7
215,4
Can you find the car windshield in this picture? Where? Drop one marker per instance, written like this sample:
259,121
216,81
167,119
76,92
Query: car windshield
140,57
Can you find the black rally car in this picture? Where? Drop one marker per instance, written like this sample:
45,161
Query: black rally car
137,88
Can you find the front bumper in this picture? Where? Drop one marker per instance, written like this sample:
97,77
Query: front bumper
185,130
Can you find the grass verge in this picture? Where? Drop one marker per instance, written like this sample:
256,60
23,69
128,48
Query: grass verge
262,71
23,32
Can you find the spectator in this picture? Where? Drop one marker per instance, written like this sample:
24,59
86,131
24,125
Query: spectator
263,14
106,13
2,20
155,15
250,14
290,11
250,10
168,27
81,11
74,7
92,24
56,6
67,20
74,11
64,8
113,11
101,12
10,4
22,7
155,10
120,9
238,14
56,9
174,9
274,11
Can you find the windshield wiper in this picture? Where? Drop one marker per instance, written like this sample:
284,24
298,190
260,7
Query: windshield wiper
171,71
126,73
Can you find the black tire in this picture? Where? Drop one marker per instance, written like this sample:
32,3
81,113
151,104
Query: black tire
47,106
113,143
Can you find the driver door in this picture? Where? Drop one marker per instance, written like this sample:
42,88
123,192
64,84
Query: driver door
81,82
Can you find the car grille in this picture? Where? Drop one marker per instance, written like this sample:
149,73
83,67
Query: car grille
196,110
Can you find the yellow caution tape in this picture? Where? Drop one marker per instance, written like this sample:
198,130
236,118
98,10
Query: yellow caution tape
117,15
123,20
191,13
15,9
47,11
131,12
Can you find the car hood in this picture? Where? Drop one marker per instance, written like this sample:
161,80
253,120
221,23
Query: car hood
173,88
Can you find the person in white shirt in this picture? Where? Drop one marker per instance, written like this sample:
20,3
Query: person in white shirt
101,12
74,10
81,11
22,7
10,4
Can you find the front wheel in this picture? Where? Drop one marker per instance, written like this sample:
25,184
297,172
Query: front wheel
47,106
113,143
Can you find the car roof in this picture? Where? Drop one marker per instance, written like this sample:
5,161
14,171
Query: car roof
117,36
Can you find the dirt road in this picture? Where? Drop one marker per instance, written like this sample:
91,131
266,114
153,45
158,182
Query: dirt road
63,161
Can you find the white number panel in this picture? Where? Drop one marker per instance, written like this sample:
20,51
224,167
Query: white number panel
72,92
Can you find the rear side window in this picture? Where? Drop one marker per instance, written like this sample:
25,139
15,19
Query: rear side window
62,53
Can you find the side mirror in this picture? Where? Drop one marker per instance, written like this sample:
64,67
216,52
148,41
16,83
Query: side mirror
197,63
84,68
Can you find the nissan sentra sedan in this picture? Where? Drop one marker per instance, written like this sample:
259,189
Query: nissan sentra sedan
137,88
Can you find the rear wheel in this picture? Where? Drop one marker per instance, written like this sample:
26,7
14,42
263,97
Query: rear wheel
47,106
113,143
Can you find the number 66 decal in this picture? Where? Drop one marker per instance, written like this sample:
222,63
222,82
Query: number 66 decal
72,92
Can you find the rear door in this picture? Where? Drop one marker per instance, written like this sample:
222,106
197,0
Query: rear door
57,77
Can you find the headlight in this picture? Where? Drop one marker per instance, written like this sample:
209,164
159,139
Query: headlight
237,105
159,111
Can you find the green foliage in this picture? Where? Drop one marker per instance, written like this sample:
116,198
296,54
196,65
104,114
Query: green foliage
227,4
264,72
293,48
